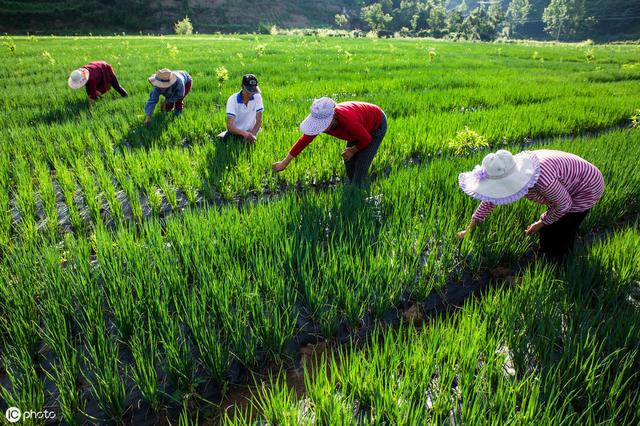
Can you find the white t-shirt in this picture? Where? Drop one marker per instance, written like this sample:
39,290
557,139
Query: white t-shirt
244,115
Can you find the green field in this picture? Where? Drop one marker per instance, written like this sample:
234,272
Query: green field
147,272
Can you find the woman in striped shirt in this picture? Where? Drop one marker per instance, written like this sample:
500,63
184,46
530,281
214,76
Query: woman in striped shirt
566,183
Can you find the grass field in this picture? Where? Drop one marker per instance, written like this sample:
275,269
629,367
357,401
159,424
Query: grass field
134,289
541,352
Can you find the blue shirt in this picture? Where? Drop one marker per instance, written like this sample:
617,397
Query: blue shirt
172,93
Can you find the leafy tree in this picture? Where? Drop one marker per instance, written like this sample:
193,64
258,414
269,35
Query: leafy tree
375,17
437,20
454,22
342,20
517,13
564,18
407,14
462,8
482,24
183,27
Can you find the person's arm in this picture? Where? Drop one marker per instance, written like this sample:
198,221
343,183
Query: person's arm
359,134
281,165
468,229
301,144
174,94
482,212
258,125
560,204
259,110
92,93
154,96
237,131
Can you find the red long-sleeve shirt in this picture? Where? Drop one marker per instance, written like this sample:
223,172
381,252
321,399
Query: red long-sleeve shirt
100,77
356,122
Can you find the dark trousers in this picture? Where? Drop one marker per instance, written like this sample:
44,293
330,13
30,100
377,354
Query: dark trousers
358,166
180,102
116,86
558,239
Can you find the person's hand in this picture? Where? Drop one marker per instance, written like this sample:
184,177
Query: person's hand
348,153
249,137
470,228
279,166
534,227
147,121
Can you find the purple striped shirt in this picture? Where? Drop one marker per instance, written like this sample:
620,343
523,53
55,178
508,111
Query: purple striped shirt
567,184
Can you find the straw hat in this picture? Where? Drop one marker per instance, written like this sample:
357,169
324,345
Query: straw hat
78,78
320,118
163,78
502,178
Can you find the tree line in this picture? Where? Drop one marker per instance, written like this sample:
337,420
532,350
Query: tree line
601,20
489,19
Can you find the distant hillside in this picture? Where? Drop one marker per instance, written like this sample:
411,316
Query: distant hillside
158,15
615,19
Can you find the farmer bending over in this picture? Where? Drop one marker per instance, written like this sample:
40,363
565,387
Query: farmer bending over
361,124
97,77
244,111
566,183
174,86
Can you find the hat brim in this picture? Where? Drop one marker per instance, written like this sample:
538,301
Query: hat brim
507,189
314,126
163,84
80,83
252,89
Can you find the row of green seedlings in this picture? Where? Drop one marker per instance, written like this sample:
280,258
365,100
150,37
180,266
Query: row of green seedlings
614,174
400,240
406,72
627,188
131,271
182,326
500,122
93,182
126,319
496,127
148,174
560,347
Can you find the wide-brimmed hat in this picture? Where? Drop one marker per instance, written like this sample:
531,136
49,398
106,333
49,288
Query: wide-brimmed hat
78,78
163,78
250,82
502,178
320,117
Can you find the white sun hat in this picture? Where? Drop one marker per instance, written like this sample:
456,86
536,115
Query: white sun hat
163,78
502,178
320,117
78,78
